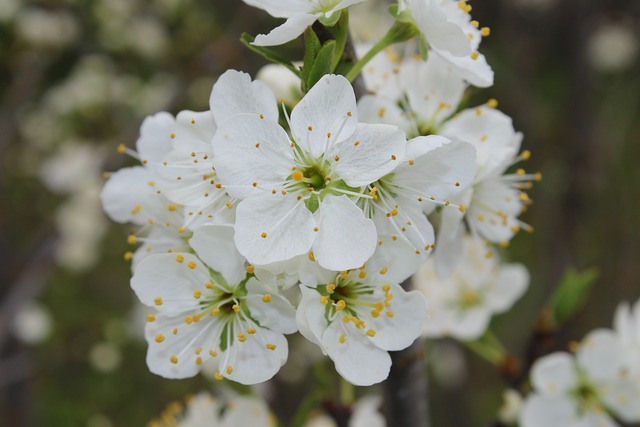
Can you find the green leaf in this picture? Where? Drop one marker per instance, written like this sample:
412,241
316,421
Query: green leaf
423,47
323,63
311,48
331,21
571,293
269,54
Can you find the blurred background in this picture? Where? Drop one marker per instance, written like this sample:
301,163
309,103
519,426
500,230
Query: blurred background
78,76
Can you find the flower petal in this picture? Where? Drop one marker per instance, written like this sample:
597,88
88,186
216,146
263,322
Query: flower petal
155,137
346,238
310,316
440,33
509,286
558,411
273,227
215,246
327,114
292,28
554,374
277,314
235,93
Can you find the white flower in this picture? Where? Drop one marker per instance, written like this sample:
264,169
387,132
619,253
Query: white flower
627,327
282,81
461,305
357,318
299,13
297,193
366,413
453,36
186,172
584,390
203,410
32,323
202,315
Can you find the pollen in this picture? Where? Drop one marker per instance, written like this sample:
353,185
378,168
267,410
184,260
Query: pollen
492,103
136,209
263,235
485,31
383,270
131,239
192,264
371,333
344,274
151,317
258,145
173,359
393,157
229,205
121,148
236,308
242,337
197,294
342,339
229,369
310,128
324,300
390,313
411,162
355,144
270,346
315,229
362,274
297,175
475,23
328,134
381,112
462,207
181,230
311,256
349,114
179,258
251,331
262,116
171,207
159,338
525,155
157,301
175,331
330,288
475,55
199,361
266,298
341,305
250,269
208,285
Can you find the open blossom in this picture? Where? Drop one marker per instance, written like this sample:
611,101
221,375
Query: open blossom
201,314
357,318
185,172
462,305
584,391
203,410
299,13
296,190
626,324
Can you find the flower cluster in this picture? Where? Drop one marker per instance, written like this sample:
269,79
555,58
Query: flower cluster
331,200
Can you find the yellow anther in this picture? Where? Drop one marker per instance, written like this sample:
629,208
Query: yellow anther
362,274
262,116
235,308
151,317
485,31
310,128
218,376
311,256
255,184
386,288
257,145
127,256
198,361
197,293
215,311
574,346
480,217
525,155
213,353
209,285
136,209
411,162
383,270
229,369
341,305
121,148
297,175
250,269
381,112
181,230
347,318
349,114
192,264
537,176
175,331
180,258
266,298
271,346
171,207
263,235
475,23
198,351
188,320
375,313
393,157
504,244
315,229
355,144
474,55
328,134
330,288
173,359
157,301
196,318
132,239
524,197
462,208
342,339
324,300
159,338
394,238
344,274
380,306
251,331
492,103
371,333
229,205
390,313
520,172
242,337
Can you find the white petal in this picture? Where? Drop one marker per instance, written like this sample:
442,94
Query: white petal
155,136
440,33
292,28
450,236
282,8
509,286
601,355
539,411
358,360
554,374
124,191
494,209
322,117
409,317
366,413
249,149
622,398
476,71
394,260
167,284
252,361
377,109
285,222
278,314
379,151
235,93
346,239
310,316
245,411
469,324
490,132
215,246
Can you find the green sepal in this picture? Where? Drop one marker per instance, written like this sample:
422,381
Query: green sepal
571,293
423,47
404,16
322,64
311,48
269,54
331,21
312,203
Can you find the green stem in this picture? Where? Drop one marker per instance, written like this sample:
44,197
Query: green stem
346,392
